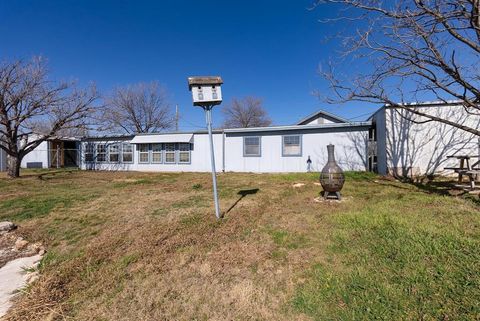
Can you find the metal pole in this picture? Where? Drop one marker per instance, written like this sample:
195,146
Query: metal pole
58,159
208,115
176,117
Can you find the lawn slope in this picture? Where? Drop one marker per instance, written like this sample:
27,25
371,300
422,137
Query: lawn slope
138,246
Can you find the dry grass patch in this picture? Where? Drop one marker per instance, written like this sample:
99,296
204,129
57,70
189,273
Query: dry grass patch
147,246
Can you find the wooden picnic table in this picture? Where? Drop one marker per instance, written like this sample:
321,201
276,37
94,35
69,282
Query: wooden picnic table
465,168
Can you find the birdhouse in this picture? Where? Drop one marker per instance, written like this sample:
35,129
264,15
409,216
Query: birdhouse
206,91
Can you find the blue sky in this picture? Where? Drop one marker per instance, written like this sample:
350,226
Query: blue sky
269,49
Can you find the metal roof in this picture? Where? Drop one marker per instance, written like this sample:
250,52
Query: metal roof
179,137
299,127
165,138
113,136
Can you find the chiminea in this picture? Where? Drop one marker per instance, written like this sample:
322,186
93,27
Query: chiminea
332,177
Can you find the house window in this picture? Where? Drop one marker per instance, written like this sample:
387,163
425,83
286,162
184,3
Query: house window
170,153
101,153
251,146
127,153
156,153
89,152
292,145
114,153
184,152
143,154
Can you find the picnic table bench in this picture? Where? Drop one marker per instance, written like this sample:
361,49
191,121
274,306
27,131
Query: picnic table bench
466,169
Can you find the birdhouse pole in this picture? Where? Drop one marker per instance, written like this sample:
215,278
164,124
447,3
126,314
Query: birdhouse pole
206,93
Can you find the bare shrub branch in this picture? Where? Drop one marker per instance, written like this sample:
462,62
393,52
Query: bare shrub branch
246,112
34,108
413,48
139,108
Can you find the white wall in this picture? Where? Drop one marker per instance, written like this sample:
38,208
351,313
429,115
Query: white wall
350,151
320,120
200,158
380,126
3,160
39,154
422,149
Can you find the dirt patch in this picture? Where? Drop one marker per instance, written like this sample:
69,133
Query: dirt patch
13,246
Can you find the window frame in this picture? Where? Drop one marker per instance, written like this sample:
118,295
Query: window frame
170,152
110,153
123,152
259,147
153,152
143,152
104,153
300,141
189,152
93,147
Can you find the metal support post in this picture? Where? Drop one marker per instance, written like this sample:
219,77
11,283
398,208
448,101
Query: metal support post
208,115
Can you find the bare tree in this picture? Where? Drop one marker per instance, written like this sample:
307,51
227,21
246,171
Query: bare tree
415,49
246,112
139,108
34,109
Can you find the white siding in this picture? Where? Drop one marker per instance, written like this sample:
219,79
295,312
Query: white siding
39,154
350,151
3,160
422,149
320,120
199,159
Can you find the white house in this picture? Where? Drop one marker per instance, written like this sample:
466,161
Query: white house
262,149
391,141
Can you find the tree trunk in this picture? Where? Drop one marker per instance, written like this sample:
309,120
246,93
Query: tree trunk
13,166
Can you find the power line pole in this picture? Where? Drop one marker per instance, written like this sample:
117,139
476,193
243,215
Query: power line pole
176,117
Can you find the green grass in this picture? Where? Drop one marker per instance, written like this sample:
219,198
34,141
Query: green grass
23,208
132,246
397,260
287,239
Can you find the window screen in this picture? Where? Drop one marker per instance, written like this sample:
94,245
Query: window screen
156,153
101,153
292,145
251,146
114,153
127,153
184,152
170,153
89,151
143,154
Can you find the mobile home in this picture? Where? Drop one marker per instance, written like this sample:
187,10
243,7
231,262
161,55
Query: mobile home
392,141
262,149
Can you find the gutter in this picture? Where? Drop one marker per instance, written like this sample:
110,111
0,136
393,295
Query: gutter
299,127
